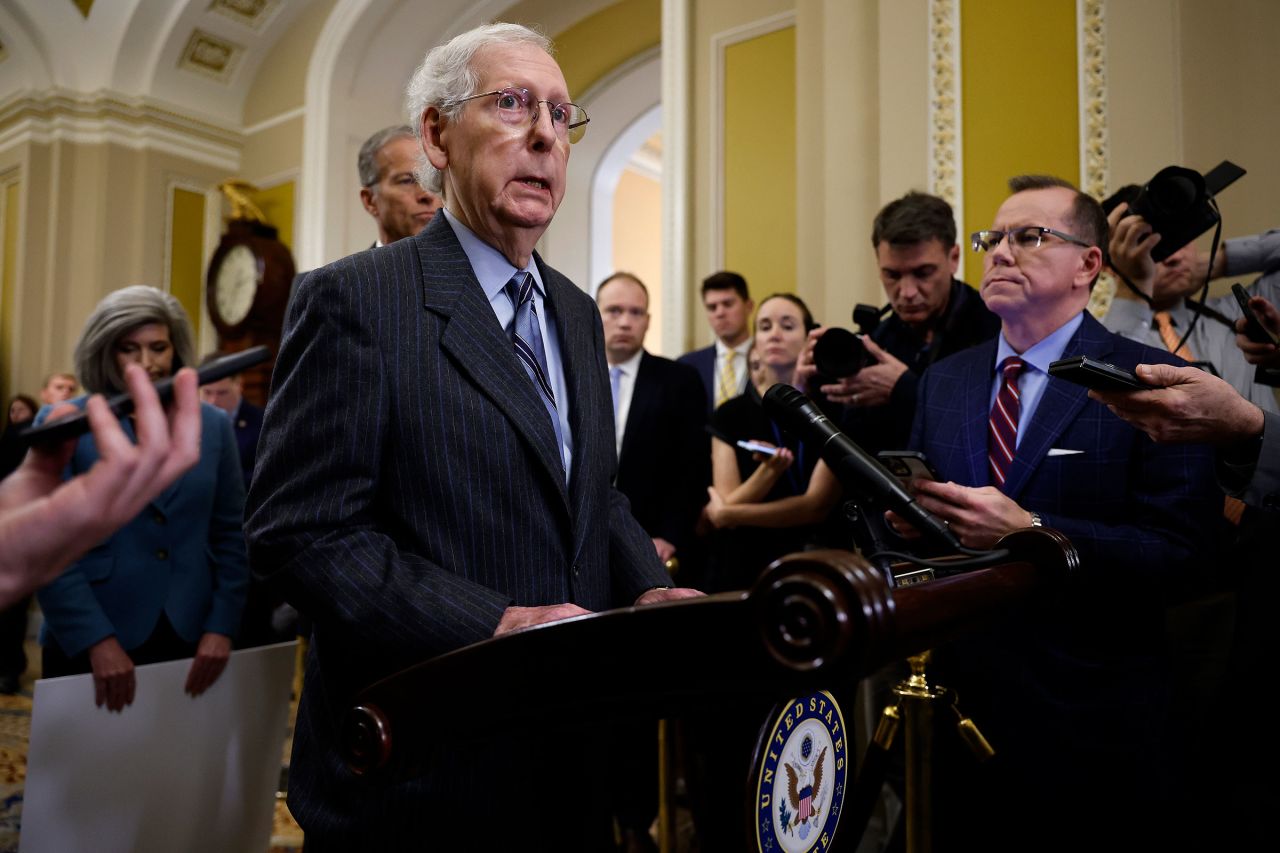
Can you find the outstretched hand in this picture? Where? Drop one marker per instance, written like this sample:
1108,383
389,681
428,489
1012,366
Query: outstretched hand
45,523
1187,405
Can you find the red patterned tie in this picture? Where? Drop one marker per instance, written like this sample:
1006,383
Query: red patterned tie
1004,420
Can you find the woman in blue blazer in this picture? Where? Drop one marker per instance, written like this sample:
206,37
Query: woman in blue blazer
171,583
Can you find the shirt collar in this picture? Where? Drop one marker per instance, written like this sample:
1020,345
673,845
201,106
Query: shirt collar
741,349
491,269
631,365
1046,350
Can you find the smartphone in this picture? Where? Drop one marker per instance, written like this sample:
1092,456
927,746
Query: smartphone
908,466
1097,375
75,425
756,447
1253,328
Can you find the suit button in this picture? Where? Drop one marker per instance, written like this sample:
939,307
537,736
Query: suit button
162,554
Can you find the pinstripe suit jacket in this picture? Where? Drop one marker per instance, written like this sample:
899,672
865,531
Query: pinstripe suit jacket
1081,675
409,489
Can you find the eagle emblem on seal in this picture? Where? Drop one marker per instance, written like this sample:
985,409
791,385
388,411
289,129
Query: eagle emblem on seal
804,785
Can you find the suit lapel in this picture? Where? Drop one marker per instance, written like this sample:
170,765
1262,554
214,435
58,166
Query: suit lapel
479,348
977,410
643,398
1058,407
574,318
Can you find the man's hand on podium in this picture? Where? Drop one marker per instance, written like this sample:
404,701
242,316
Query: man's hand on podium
667,593
515,618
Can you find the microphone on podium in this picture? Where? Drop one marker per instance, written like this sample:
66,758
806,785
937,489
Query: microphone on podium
853,466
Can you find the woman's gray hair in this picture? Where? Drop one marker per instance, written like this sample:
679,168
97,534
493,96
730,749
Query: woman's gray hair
445,77
119,313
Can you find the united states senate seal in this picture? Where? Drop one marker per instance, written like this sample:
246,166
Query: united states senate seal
801,783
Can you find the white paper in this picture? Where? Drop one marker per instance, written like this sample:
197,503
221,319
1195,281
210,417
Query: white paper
170,772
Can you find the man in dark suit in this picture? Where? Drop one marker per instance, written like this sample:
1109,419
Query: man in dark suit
664,468
389,191
246,418
435,466
723,365
1071,692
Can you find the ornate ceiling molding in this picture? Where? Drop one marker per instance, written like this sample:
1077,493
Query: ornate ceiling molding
108,117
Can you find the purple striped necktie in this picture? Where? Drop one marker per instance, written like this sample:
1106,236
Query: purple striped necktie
1003,441
526,337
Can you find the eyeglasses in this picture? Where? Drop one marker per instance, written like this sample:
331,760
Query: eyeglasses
518,107
1026,237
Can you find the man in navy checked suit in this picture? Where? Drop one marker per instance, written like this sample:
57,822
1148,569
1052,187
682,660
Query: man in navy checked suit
417,492
1071,691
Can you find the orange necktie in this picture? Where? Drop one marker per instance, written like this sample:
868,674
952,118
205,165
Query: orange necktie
1164,325
1232,508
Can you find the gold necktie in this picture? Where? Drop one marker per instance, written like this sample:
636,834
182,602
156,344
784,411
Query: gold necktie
728,379
1170,336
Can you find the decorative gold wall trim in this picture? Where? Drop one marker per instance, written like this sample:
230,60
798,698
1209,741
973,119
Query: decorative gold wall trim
1091,47
946,152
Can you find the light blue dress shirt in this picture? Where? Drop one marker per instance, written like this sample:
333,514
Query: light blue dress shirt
1035,375
493,271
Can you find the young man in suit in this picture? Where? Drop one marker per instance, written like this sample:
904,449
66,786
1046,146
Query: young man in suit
664,468
723,365
436,461
1071,691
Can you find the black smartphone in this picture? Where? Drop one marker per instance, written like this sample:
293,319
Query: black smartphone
1097,375
73,426
1253,328
908,466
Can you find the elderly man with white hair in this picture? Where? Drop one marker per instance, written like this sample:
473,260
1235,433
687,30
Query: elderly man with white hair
436,460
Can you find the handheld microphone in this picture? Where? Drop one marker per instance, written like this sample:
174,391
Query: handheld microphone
852,465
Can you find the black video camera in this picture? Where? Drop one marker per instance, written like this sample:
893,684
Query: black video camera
1177,203
839,352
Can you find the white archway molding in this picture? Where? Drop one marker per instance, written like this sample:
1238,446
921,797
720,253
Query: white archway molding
625,109
603,186
341,111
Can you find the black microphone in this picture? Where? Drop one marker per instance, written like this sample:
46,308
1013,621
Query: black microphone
852,465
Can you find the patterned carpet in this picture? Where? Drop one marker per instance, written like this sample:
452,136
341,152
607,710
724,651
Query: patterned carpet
15,730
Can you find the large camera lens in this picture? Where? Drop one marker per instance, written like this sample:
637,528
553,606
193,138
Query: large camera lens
839,353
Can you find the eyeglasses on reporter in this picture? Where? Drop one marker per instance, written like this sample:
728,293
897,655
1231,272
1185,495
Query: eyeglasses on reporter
517,106
1025,237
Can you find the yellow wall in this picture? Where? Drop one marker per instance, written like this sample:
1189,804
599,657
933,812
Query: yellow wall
597,44
186,253
1020,113
277,206
637,243
760,161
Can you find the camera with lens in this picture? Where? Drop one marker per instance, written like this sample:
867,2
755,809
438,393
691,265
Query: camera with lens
1177,203
840,352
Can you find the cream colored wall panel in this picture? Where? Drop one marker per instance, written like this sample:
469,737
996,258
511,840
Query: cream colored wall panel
1231,105
276,151
904,92
280,84
1143,89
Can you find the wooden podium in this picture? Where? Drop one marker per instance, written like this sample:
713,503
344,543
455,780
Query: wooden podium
814,621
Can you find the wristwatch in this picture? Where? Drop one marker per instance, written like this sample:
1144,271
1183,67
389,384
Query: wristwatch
1035,519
